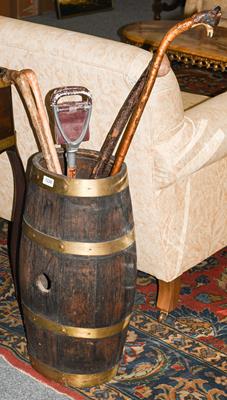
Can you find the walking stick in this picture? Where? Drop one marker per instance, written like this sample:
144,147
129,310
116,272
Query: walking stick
118,125
26,83
50,150
209,19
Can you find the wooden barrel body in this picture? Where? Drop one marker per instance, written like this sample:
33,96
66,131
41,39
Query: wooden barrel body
77,272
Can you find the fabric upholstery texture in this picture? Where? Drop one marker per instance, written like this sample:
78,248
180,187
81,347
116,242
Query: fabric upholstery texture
176,162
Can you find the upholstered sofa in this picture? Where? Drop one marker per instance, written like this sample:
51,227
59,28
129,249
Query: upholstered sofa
177,162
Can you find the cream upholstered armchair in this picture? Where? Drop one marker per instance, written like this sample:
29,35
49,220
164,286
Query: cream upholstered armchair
193,6
177,162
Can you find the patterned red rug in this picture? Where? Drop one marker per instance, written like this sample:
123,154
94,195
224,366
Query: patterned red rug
197,80
183,358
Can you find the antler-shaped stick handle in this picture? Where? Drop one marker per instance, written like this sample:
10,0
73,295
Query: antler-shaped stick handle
26,83
209,19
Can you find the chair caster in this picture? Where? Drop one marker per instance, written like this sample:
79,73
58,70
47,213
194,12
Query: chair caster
162,316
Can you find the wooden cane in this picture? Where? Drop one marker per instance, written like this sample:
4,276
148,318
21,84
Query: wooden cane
102,167
118,126
209,19
26,83
50,149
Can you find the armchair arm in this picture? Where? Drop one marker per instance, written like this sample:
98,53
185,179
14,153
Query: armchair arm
200,140
210,120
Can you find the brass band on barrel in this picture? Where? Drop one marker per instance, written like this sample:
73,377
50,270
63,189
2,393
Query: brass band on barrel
80,187
74,380
79,248
73,331
3,84
7,142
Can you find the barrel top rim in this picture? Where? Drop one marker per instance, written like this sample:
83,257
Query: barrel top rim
79,187
86,152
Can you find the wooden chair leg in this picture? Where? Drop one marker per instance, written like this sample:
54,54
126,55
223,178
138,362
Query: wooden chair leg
15,229
8,145
168,293
157,9
159,6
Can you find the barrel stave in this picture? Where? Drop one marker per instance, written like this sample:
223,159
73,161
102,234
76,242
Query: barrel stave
96,219
88,291
72,355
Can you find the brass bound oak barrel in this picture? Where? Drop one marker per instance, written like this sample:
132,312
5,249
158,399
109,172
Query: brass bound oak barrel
77,271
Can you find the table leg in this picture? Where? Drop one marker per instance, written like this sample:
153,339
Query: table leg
159,6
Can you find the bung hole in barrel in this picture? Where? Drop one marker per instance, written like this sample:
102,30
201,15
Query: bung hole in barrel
43,283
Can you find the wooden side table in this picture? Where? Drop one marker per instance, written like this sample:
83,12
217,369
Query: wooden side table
192,47
8,144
